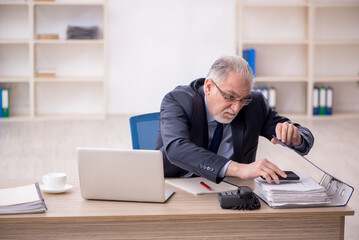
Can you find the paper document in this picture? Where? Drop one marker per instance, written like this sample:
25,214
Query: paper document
306,192
194,186
24,199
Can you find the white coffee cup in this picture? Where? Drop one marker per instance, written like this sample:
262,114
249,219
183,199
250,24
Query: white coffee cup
54,180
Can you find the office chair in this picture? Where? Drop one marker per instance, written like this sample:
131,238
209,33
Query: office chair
144,130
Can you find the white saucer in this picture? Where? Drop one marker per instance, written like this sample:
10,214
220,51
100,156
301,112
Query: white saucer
46,189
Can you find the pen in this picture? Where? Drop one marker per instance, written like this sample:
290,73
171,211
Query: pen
206,186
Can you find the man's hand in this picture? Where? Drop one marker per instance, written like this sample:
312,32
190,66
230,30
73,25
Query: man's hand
263,168
288,134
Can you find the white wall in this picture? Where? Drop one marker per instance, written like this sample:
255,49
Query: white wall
155,45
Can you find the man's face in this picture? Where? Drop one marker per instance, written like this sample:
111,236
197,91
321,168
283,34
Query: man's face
234,87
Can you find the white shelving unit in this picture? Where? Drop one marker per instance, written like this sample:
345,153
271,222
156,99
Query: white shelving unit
78,91
301,44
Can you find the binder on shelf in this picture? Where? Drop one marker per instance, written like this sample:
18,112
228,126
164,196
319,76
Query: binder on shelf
5,102
272,97
1,102
269,93
250,56
322,101
330,99
315,101
265,93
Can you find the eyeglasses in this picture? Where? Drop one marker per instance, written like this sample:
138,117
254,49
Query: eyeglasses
233,99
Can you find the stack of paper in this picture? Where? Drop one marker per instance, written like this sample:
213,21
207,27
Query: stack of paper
24,199
306,192
194,186
46,73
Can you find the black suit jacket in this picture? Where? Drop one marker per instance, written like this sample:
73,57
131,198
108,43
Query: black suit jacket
183,132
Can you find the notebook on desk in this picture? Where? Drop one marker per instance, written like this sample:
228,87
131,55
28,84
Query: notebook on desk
122,175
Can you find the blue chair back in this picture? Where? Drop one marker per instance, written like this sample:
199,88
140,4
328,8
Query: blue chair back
144,130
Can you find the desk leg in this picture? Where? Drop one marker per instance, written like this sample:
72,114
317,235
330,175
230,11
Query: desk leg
342,227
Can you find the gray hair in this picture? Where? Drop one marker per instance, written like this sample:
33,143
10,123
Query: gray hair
227,64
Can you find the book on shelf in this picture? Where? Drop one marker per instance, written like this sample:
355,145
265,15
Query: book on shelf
23,199
48,36
46,73
4,102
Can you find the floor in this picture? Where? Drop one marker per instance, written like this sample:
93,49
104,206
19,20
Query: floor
29,149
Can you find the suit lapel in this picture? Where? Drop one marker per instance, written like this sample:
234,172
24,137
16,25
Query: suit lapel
199,131
238,128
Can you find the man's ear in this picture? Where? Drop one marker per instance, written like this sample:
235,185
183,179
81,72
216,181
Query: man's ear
208,85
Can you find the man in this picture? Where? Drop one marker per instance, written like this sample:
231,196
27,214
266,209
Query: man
211,127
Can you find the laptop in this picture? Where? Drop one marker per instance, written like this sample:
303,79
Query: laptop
122,175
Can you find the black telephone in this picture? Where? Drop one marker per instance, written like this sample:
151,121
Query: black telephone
243,199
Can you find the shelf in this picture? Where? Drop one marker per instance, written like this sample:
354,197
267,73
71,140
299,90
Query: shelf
276,41
280,79
80,90
335,4
335,60
336,23
69,116
336,79
15,118
14,60
337,42
69,98
68,41
13,2
267,25
12,79
295,116
14,22
274,4
14,41
290,96
98,79
70,3
337,116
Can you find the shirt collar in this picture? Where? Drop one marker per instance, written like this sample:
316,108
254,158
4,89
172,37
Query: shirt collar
210,118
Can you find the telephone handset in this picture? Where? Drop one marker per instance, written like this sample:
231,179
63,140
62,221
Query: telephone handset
243,199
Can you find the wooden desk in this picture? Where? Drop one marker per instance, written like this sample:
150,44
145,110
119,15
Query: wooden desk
184,216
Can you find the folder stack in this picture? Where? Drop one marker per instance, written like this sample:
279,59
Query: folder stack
306,192
77,32
323,101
